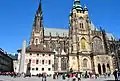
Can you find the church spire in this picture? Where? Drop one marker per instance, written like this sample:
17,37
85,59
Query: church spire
39,11
38,28
38,20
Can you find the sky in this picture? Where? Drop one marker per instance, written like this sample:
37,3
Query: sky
16,18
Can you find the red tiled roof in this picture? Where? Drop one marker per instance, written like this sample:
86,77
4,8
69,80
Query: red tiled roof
38,48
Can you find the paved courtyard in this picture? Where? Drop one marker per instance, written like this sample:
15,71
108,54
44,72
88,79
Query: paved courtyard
5,78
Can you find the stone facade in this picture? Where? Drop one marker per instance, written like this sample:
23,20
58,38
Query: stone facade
114,46
6,63
81,48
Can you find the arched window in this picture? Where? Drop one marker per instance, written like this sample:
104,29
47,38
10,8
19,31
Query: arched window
83,43
36,41
97,45
56,64
81,25
85,61
63,64
53,45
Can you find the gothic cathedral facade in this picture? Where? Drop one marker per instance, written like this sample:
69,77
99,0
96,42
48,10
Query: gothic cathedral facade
81,48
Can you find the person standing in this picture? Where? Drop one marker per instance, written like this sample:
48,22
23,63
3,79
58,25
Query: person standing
115,74
79,76
109,73
86,74
118,75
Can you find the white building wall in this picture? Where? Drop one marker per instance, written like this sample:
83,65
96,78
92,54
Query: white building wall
40,57
15,66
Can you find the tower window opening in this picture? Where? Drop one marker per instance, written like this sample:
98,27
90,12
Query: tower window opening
36,41
81,25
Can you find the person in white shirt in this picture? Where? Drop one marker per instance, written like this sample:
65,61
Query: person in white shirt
78,76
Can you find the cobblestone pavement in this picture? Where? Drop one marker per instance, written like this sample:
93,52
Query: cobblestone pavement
7,78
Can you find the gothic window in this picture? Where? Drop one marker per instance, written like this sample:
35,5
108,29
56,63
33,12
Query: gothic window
56,64
46,43
61,46
112,48
83,43
85,61
36,41
71,48
81,25
53,45
63,64
97,45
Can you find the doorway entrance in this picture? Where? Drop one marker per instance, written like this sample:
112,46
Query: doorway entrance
99,69
108,68
104,69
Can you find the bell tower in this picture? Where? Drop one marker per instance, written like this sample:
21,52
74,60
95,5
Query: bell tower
79,27
37,36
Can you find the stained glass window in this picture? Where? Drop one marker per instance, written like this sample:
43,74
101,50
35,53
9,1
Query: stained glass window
85,62
97,45
83,43
56,64
63,64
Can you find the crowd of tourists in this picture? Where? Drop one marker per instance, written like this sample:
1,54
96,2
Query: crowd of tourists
69,76
12,74
74,76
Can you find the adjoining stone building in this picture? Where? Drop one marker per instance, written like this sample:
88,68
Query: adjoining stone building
15,61
81,48
114,46
6,63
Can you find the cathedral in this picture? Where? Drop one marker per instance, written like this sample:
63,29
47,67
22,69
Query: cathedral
80,48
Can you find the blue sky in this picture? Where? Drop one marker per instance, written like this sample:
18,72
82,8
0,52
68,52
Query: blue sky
16,17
